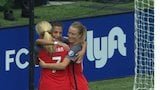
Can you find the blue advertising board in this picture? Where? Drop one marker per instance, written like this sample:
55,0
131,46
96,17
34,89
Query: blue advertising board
109,54
110,46
14,59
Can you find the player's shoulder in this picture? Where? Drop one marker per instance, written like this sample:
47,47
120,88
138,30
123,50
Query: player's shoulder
43,51
76,47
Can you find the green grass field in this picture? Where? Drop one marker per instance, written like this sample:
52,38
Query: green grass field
113,84
69,11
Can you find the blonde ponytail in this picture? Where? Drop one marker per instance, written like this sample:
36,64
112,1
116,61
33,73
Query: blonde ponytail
44,28
48,37
82,30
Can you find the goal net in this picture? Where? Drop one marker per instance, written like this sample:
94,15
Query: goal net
144,45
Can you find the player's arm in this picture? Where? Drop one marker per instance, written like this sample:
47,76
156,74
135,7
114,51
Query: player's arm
55,66
81,53
44,42
54,42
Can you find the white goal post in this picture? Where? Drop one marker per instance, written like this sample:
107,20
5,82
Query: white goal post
144,45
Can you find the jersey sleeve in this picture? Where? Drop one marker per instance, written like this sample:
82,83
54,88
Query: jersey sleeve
73,51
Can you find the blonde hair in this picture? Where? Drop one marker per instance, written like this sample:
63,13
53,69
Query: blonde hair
48,37
82,30
44,28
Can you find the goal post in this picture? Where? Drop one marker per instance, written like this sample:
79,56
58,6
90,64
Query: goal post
144,45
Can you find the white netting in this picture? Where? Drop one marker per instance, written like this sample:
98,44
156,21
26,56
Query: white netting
144,45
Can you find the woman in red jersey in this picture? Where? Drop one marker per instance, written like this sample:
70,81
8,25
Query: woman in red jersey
76,37
51,79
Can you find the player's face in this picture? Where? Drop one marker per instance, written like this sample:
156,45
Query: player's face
57,32
73,35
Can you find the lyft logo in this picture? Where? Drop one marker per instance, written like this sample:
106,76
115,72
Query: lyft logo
100,49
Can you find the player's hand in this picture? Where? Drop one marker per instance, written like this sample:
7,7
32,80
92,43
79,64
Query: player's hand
79,57
42,63
65,46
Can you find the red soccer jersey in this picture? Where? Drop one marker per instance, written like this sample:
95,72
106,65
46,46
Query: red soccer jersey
54,79
77,77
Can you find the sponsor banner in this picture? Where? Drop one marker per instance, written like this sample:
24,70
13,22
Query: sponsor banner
110,46
109,54
14,59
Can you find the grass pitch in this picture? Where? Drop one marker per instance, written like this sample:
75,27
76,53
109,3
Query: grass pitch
113,84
